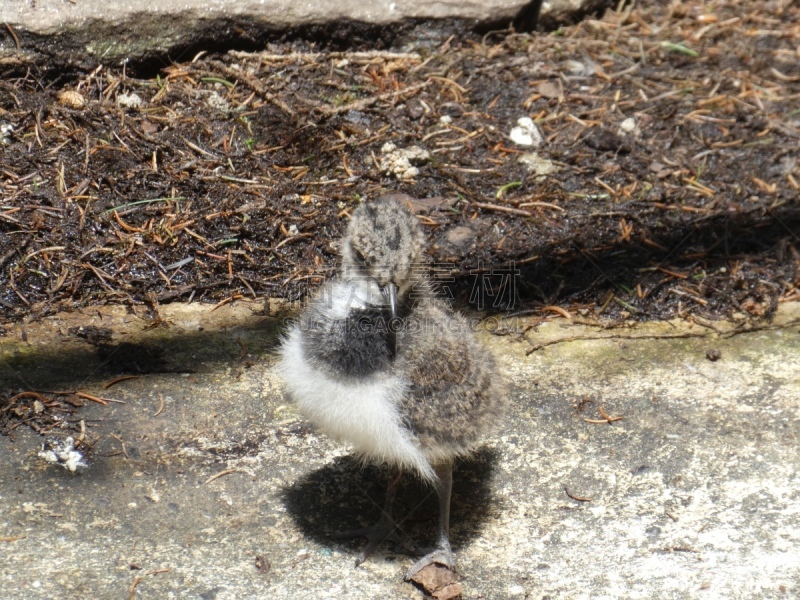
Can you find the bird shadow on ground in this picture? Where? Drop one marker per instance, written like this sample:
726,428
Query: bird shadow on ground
345,495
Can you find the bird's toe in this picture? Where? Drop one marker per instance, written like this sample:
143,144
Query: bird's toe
440,556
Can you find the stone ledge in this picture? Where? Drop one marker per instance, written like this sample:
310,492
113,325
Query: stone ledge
92,31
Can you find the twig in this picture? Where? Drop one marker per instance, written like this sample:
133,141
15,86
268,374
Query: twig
222,303
559,310
505,209
666,336
606,418
198,149
14,35
92,398
132,590
315,56
220,474
574,497
122,207
576,338
99,400
161,406
119,379
36,395
363,103
541,205
259,88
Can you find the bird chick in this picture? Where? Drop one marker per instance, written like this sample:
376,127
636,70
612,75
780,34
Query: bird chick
378,362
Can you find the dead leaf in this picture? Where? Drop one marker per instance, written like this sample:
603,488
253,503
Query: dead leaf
548,90
449,592
753,307
148,127
439,582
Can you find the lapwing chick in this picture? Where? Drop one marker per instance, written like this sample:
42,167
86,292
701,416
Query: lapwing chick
378,362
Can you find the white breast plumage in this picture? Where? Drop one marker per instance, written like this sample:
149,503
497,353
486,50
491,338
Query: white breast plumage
360,412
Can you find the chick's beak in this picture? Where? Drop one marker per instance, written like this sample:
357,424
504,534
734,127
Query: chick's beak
389,292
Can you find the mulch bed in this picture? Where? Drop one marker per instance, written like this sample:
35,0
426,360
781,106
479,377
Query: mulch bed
671,134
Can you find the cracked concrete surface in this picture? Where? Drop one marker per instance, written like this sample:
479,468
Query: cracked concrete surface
694,493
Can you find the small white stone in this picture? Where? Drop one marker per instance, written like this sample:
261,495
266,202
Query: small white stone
526,133
130,100
214,100
445,119
515,591
575,67
536,164
627,127
402,162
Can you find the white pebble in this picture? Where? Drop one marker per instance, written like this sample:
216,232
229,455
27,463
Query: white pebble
402,162
539,165
130,100
628,125
216,101
526,133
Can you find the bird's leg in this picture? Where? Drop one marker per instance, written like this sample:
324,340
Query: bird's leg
385,528
443,554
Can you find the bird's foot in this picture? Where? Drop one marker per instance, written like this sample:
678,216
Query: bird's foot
440,556
383,530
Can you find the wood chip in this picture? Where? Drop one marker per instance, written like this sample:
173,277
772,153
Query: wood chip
438,582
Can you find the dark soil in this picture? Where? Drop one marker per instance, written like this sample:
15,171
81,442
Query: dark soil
236,174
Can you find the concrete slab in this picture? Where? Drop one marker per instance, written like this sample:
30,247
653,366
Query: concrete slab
207,470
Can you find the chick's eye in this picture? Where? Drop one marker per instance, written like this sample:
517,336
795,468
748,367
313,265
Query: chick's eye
359,256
